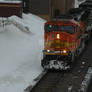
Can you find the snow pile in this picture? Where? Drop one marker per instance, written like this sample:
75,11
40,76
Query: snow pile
35,28
77,2
19,23
20,54
86,81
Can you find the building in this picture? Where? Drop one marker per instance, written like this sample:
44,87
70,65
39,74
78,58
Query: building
49,8
9,8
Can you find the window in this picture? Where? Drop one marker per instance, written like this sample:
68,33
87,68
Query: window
68,29
50,28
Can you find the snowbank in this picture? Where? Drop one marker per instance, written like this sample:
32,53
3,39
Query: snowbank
20,54
86,81
19,23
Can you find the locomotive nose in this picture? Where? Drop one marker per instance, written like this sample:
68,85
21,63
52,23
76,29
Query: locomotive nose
60,41
58,44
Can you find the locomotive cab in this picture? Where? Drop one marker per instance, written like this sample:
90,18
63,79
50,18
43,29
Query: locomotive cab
60,44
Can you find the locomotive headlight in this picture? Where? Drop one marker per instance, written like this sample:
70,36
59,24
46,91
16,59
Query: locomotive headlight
58,36
64,51
48,50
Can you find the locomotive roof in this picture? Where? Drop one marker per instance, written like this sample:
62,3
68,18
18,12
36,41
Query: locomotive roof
63,20
64,17
70,16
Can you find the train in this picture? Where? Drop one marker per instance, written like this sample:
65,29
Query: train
66,36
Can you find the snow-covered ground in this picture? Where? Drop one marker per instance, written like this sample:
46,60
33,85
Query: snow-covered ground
20,54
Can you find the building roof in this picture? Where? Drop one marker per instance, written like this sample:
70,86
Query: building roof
10,1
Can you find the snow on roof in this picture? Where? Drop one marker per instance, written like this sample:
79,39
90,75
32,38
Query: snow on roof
10,1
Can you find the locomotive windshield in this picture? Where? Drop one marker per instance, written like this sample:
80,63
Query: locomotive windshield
68,29
50,28
62,28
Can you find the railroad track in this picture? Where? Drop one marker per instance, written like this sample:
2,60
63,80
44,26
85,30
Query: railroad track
48,82
67,81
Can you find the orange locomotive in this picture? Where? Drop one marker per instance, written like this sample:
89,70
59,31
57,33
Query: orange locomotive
64,39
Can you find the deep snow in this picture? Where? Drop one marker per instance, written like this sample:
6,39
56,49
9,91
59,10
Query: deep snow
20,54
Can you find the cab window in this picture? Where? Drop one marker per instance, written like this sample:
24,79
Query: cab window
50,28
68,29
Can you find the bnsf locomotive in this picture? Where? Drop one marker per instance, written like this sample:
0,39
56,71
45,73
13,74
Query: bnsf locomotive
65,38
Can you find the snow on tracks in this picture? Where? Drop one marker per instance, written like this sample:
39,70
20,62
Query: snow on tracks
86,81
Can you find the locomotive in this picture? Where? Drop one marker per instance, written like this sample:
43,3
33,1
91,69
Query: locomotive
65,37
